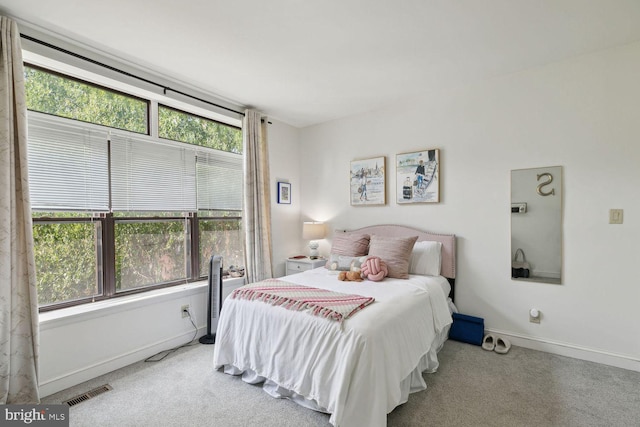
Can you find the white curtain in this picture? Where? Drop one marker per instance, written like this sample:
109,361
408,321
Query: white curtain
257,199
18,298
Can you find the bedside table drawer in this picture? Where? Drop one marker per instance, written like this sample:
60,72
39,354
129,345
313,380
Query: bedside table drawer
299,265
294,267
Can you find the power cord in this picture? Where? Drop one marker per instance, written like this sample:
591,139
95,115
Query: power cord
168,352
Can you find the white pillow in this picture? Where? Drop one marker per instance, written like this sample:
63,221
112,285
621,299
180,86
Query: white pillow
344,263
426,258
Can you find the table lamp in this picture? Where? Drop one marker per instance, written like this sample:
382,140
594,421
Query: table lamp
313,231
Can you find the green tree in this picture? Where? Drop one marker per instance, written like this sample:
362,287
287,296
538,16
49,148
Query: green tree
61,96
159,249
180,126
65,260
221,237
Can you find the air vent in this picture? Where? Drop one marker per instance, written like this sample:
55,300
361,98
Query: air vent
88,395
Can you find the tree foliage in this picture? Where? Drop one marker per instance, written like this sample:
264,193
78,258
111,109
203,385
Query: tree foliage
60,96
221,237
180,126
66,261
148,253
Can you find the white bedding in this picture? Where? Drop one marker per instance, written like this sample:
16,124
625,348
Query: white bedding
358,371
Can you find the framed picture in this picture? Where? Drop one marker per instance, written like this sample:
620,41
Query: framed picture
284,193
367,182
418,177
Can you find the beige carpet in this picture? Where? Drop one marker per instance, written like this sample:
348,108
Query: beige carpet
473,387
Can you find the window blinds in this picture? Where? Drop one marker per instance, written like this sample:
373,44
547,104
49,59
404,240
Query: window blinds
68,166
74,167
149,176
219,180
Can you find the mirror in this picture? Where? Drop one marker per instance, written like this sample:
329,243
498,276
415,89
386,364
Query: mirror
536,224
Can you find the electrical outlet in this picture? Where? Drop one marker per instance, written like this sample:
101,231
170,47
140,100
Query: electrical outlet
534,315
185,310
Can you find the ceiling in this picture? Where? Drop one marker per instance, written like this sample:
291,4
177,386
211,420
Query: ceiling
307,62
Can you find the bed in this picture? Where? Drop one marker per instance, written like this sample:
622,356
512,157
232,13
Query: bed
360,369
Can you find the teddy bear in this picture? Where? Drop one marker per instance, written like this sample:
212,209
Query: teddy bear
374,269
350,276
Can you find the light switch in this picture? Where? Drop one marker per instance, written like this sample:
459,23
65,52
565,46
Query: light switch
615,216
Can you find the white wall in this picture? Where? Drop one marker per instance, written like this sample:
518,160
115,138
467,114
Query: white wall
581,114
286,223
83,342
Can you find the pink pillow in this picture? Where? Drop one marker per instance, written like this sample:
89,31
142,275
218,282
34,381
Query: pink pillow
374,269
350,244
395,252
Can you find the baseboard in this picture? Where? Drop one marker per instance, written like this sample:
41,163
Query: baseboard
571,350
562,349
89,372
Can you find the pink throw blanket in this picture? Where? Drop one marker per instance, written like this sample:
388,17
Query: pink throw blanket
321,302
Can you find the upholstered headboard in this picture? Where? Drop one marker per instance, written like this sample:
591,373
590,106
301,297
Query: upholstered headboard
448,267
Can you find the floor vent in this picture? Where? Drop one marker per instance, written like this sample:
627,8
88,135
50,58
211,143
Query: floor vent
88,395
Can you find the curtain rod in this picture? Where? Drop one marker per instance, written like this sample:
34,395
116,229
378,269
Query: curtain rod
117,70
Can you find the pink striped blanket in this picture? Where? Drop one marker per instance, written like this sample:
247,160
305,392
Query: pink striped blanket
320,302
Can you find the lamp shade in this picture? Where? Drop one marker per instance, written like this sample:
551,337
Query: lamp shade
312,230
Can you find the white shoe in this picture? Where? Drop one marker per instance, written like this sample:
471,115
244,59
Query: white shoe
502,345
489,342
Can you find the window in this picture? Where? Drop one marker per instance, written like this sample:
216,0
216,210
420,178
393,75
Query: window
220,235
66,259
151,252
116,211
180,126
63,96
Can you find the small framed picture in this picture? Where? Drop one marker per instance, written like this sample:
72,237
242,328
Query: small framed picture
284,193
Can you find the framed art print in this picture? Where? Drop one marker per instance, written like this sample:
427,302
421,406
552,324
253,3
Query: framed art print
367,182
284,193
418,177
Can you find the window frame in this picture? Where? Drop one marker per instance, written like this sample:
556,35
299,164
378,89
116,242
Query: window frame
105,248
107,252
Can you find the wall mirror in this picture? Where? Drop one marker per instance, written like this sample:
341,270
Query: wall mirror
536,224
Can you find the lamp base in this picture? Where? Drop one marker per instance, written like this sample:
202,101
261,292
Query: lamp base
313,250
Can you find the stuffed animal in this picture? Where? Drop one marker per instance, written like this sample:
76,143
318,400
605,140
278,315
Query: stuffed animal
374,269
350,276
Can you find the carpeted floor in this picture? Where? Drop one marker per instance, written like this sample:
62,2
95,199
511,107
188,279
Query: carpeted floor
472,387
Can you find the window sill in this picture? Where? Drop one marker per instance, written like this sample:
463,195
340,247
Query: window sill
63,316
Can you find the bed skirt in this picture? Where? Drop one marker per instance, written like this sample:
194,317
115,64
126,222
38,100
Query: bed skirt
413,383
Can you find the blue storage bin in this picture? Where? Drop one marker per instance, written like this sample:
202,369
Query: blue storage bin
467,329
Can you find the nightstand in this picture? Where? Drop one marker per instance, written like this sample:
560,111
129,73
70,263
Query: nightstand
302,264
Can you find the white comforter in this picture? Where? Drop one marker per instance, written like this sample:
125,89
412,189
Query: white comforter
358,371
